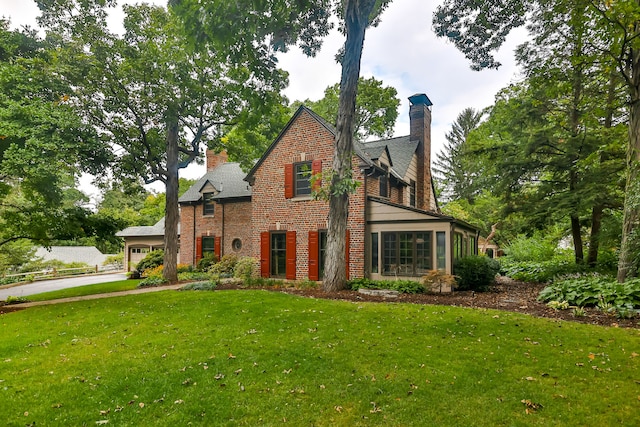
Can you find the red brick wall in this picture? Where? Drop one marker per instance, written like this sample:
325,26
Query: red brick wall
305,140
237,223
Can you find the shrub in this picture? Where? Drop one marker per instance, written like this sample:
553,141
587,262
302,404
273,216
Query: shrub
535,248
206,261
152,260
116,260
151,282
595,290
436,279
153,272
246,268
208,285
402,286
225,267
184,268
15,300
193,275
475,273
259,282
539,271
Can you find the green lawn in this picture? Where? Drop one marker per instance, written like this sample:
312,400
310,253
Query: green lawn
100,288
266,358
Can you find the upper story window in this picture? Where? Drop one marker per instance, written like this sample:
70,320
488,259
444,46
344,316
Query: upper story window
208,204
302,179
412,193
384,182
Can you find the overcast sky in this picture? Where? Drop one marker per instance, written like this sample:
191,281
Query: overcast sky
402,51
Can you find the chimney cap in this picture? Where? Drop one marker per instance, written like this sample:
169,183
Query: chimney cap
420,98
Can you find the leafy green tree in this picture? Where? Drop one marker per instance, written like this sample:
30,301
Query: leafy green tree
44,145
453,165
155,94
479,28
376,108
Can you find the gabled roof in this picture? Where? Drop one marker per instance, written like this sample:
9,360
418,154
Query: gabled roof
89,255
401,151
145,230
330,128
226,178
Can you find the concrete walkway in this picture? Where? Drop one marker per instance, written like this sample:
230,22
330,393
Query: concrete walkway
38,287
96,296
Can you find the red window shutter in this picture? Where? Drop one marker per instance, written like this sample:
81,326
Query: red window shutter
265,252
291,255
288,181
217,246
316,168
314,256
348,238
198,249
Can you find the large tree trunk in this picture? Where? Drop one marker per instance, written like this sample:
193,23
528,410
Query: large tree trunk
356,15
172,217
628,262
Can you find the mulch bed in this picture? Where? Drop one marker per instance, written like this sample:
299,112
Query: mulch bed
507,295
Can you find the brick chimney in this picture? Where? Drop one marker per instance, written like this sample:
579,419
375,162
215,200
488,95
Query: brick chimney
420,125
214,159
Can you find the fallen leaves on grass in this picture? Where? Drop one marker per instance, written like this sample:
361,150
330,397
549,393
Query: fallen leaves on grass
531,407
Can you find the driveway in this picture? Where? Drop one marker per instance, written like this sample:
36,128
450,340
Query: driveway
57,284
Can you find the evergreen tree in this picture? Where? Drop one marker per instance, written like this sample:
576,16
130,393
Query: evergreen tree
453,164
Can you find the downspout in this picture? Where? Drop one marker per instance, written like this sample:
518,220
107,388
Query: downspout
193,260
366,239
451,242
222,236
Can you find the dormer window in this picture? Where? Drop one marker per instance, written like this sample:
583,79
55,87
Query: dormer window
208,204
384,182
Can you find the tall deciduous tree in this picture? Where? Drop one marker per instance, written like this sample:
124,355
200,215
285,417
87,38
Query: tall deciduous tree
258,27
376,108
478,28
157,96
44,145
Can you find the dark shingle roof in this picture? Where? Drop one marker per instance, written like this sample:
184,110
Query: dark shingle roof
227,179
401,151
145,230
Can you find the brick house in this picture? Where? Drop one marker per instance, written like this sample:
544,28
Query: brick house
394,225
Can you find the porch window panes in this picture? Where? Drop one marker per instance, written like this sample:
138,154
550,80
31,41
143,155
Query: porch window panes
407,253
457,246
208,204
441,250
374,253
424,261
389,252
302,179
278,254
472,246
